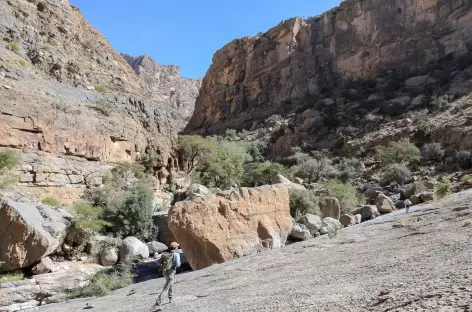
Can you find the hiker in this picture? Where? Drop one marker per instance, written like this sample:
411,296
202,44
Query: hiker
169,263
408,204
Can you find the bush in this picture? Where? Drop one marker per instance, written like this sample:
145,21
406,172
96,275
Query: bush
104,282
104,107
194,148
463,159
51,201
400,152
313,170
432,152
257,151
223,168
127,201
467,179
443,188
101,88
14,47
396,173
89,218
151,161
348,169
303,202
256,174
346,194
9,159
441,102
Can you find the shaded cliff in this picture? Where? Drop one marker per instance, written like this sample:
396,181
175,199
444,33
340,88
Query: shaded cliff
332,70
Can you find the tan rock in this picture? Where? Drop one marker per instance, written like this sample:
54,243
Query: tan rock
330,207
347,220
384,204
232,224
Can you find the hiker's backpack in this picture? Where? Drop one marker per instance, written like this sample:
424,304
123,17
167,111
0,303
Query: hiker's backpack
165,262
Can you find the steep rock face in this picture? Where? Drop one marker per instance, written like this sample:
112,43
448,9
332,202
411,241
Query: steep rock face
232,224
321,66
73,105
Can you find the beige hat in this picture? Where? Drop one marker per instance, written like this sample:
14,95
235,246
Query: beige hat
174,245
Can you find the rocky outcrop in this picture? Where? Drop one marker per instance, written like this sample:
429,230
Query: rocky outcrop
29,232
231,224
352,66
74,104
133,248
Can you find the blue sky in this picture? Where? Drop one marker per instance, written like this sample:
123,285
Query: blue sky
187,33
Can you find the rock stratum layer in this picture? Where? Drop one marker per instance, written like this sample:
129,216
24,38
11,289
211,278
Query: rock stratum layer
232,224
334,69
74,105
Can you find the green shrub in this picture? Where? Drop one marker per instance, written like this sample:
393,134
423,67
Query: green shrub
303,202
151,161
400,152
441,102
463,159
14,46
194,148
104,282
346,194
443,188
51,201
101,88
257,151
467,179
396,173
313,170
432,152
12,277
9,159
89,218
256,174
223,168
104,107
348,169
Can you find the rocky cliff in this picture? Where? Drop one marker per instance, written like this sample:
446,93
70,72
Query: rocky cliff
365,57
73,105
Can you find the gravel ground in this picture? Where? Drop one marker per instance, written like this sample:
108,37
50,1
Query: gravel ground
398,262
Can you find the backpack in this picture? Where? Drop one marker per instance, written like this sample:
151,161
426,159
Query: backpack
165,262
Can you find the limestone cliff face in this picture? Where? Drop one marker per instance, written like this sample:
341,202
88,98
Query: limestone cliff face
73,105
299,63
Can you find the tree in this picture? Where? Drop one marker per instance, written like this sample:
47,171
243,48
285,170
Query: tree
9,159
346,194
303,202
223,168
401,152
194,148
256,174
313,170
151,161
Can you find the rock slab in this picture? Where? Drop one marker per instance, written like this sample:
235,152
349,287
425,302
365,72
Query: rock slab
231,224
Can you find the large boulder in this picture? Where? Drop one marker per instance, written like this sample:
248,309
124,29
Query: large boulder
330,226
156,247
133,248
330,208
312,222
44,266
299,232
371,193
368,212
347,220
29,232
196,190
426,197
384,204
160,222
108,256
231,224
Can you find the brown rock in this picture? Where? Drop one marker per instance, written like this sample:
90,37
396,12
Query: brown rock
384,204
347,220
368,212
232,224
330,207
44,266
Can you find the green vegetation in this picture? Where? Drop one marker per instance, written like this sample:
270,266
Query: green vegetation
443,188
101,88
303,202
89,218
103,107
9,159
194,148
151,161
348,169
467,179
256,174
127,201
313,170
441,102
14,46
51,201
346,194
400,152
432,152
12,277
104,282
396,173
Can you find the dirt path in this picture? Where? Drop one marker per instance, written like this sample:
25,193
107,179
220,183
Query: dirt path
398,262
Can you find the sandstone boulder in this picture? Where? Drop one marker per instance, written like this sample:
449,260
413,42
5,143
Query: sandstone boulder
299,232
368,212
384,204
133,248
330,226
426,197
312,222
29,232
156,247
231,224
44,266
108,256
330,208
347,220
